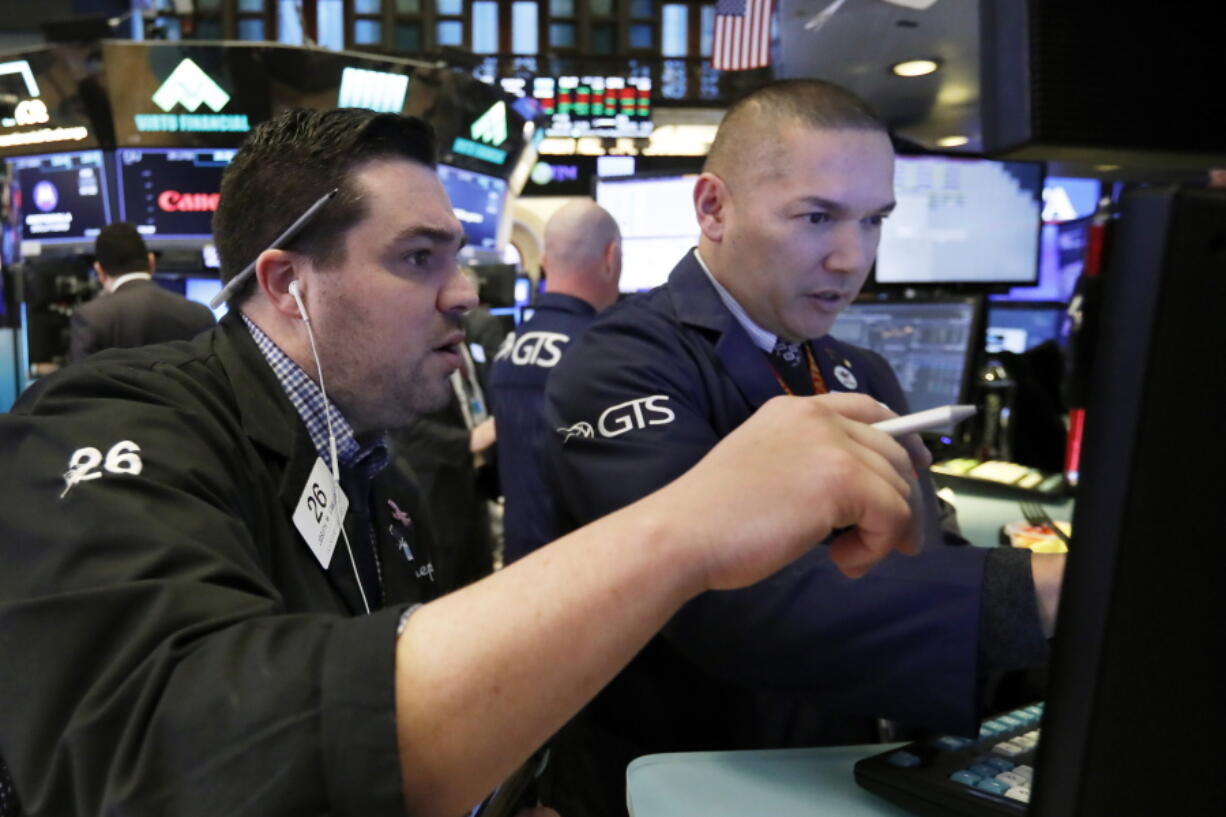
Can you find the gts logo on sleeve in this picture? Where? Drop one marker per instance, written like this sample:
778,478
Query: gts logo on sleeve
614,421
542,349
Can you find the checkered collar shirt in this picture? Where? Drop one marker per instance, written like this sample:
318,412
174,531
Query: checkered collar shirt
314,410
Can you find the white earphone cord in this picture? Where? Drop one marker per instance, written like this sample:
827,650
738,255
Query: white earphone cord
336,473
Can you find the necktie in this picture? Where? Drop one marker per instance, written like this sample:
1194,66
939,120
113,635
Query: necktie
792,365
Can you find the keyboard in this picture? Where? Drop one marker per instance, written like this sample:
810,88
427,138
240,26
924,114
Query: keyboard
949,776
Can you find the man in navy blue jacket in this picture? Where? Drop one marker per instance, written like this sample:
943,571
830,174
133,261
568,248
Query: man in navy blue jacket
790,205
582,264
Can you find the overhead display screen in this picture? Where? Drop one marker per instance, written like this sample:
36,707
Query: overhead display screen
962,221
477,200
62,198
170,193
656,216
590,106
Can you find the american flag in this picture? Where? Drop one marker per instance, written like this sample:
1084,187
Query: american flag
742,35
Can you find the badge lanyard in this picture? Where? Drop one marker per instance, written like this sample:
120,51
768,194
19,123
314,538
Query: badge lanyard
815,375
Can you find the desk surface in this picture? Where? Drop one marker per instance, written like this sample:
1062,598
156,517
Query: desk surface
792,782
981,513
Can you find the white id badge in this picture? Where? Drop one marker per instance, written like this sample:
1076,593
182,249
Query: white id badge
317,518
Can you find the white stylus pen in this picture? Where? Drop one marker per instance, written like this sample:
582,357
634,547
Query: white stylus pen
925,420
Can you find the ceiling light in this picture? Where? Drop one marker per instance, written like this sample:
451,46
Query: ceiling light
915,68
952,141
1106,168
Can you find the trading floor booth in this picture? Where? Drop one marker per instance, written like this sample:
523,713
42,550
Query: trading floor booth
142,132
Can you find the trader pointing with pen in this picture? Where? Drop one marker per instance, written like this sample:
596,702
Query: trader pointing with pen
216,596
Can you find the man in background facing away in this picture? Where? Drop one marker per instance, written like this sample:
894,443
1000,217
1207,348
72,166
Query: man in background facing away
583,262
134,311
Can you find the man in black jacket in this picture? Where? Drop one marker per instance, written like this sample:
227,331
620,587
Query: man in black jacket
134,311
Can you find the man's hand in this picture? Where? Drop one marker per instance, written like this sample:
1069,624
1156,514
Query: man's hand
798,469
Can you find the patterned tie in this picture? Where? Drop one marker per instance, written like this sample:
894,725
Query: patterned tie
792,366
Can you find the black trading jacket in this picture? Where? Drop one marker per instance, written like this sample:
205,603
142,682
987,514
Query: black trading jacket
168,643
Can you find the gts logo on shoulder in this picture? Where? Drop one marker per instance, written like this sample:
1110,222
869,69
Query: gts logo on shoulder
542,349
628,416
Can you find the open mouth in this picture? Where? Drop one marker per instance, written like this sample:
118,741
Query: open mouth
829,297
451,350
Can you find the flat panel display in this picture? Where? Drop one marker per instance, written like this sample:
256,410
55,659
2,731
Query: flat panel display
656,217
1019,327
202,290
962,221
170,193
590,105
478,201
931,345
63,198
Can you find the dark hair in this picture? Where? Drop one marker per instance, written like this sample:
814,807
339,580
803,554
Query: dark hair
288,163
813,103
119,249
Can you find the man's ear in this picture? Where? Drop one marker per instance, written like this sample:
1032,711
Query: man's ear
610,258
274,271
153,262
101,273
711,205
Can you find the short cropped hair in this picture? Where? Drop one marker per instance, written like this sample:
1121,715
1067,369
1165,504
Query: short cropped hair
288,163
119,248
744,132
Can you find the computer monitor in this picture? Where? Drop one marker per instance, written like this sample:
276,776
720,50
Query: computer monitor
1017,326
655,212
1133,714
478,201
202,290
170,193
962,221
63,198
931,345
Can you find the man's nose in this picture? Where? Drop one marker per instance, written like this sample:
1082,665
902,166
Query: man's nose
460,293
849,250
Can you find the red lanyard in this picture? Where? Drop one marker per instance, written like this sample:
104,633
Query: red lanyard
815,375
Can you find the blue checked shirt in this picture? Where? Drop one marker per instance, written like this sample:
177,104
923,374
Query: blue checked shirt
314,410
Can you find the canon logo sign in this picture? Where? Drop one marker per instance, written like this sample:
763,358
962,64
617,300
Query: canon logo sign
172,201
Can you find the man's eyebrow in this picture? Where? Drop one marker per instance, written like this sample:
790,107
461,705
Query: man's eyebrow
838,209
439,235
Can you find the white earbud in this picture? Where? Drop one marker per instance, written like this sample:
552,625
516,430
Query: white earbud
297,296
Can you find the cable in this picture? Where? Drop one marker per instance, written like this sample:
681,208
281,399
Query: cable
336,472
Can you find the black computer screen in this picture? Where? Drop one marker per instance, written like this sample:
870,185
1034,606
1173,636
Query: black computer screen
170,193
1139,634
656,215
962,221
63,198
931,345
1019,327
478,201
